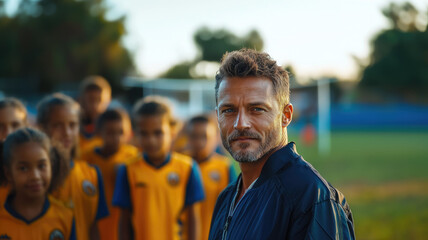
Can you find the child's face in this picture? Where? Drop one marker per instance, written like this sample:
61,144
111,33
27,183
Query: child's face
94,102
154,135
202,139
112,133
63,127
10,120
30,170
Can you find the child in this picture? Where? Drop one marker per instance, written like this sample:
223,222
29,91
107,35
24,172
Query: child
153,191
95,96
111,128
29,212
216,170
83,190
13,115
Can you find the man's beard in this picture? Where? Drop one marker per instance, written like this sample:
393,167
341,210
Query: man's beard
271,141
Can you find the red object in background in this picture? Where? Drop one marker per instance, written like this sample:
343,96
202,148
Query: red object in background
308,135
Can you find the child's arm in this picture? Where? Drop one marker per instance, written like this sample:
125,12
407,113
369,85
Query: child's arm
194,194
194,214
122,199
125,226
102,210
94,234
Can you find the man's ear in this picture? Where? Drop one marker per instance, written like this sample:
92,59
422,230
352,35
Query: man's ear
287,115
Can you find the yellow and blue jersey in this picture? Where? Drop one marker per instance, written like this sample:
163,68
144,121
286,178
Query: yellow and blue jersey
108,166
88,142
217,172
54,222
158,195
83,191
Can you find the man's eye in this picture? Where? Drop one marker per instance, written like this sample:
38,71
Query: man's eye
257,109
227,110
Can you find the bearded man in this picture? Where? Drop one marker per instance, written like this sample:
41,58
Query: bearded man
278,195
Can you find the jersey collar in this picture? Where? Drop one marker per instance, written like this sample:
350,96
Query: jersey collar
15,214
167,160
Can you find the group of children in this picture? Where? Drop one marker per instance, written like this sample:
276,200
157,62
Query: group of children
76,175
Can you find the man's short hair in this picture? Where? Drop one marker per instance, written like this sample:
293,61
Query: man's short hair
250,63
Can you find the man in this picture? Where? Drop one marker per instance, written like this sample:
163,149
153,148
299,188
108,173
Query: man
278,195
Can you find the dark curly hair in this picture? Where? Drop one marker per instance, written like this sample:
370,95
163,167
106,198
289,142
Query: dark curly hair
251,63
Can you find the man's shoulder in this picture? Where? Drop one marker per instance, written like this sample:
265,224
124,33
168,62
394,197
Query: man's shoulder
300,180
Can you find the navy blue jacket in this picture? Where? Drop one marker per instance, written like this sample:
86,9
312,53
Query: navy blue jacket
290,200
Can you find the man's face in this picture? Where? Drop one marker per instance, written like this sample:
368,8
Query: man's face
10,120
94,102
30,170
112,133
154,135
249,117
202,139
63,127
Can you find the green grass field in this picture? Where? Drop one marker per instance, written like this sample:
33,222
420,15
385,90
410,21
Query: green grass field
384,177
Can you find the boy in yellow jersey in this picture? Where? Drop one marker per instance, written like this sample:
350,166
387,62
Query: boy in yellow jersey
217,171
13,115
83,189
111,128
95,96
154,190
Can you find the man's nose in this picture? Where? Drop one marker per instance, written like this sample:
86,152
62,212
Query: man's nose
241,122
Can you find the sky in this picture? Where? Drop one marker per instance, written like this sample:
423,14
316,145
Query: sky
316,37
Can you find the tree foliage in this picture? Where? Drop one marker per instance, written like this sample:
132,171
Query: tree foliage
212,44
55,41
179,71
399,57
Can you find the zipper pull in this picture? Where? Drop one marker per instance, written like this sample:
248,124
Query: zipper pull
226,227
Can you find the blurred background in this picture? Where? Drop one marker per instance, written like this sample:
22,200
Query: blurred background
359,78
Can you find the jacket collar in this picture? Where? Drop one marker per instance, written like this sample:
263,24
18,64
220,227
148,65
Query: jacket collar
279,160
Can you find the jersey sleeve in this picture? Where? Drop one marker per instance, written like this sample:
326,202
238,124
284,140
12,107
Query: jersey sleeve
102,210
232,174
194,188
121,196
73,231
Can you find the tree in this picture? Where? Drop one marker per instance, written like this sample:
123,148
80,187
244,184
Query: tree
399,58
179,71
55,41
212,44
